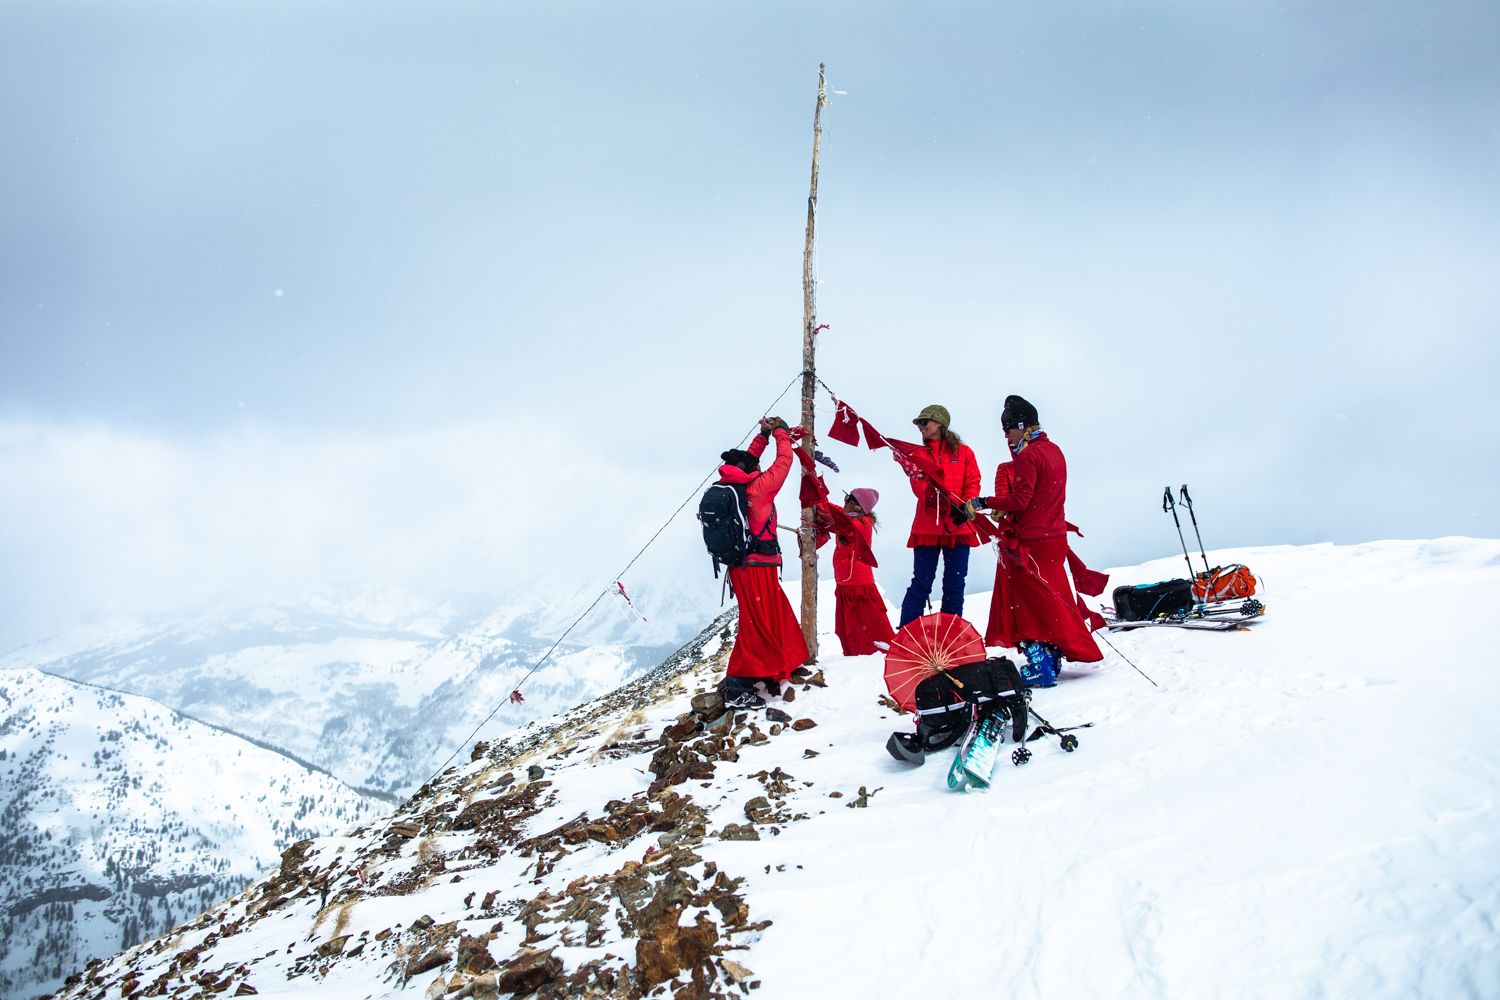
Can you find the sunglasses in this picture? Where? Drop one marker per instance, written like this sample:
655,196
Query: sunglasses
925,421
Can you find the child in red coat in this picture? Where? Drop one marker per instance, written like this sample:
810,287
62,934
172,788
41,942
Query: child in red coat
860,619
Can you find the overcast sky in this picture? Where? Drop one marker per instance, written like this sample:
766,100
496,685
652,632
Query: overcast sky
462,294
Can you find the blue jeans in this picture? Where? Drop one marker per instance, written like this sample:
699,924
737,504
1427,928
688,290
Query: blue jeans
924,571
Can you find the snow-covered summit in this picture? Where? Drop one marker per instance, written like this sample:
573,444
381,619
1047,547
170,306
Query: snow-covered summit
1304,807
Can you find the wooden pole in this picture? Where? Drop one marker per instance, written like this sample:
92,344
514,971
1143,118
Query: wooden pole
808,534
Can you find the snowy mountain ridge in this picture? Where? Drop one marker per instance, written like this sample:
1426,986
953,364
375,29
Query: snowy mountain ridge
1305,807
373,684
120,818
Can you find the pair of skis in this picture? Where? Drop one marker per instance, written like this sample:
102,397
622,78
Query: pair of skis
1229,617
974,763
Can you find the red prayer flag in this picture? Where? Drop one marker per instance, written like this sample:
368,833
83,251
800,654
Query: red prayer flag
845,429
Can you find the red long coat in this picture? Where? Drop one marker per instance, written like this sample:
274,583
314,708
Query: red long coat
1037,489
761,489
848,568
933,523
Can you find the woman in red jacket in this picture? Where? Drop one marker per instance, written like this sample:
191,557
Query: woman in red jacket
770,643
859,617
1033,608
940,529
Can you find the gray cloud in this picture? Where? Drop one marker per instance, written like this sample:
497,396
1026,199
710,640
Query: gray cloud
1248,248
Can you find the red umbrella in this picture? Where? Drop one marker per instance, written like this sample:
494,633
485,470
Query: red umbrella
925,646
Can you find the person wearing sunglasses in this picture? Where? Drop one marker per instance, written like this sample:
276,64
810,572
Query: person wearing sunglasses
941,530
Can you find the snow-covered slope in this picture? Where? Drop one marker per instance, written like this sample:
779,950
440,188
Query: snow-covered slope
1307,807
120,818
371,683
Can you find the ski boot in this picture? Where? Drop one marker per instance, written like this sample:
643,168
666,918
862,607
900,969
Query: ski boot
1040,668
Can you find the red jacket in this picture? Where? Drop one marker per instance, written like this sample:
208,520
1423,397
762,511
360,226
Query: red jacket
1033,487
933,523
761,489
848,568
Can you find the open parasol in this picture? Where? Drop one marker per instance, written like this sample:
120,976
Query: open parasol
922,648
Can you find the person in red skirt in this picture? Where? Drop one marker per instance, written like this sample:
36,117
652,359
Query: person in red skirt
859,618
770,643
1033,608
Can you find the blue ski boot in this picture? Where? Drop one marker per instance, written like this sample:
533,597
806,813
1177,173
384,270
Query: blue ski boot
1040,669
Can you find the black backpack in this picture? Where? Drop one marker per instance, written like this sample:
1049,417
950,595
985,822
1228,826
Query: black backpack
724,513
1167,599
948,701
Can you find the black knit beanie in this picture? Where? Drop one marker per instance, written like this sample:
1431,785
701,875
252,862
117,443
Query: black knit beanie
740,459
1018,413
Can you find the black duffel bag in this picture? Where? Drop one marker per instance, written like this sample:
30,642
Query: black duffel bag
1143,602
947,703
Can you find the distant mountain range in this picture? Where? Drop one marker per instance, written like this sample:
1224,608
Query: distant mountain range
377,684
247,728
120,818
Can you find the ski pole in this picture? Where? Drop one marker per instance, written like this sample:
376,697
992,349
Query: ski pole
1170,507
1127,659
1188,502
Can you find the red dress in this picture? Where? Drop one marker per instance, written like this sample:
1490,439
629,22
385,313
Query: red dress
1033,597
859,617
770,642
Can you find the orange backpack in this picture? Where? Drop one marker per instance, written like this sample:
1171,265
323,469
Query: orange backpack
1224,583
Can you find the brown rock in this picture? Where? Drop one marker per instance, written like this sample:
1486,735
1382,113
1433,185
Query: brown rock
686,725
407,830
777,715
790,694
436,958
246,990
480,749
708,705
474,956
529,971
809,753
736,972
816,680
665,948
732,910
802,725
758,809
738,831
334,946
776,729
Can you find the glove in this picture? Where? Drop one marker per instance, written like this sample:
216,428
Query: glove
978,503
777,424
961,513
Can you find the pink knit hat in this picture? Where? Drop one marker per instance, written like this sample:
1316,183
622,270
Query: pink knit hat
866,498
